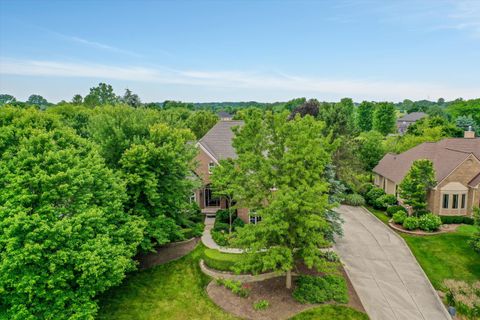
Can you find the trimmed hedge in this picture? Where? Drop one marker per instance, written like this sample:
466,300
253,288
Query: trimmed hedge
456,220
220,261
429,222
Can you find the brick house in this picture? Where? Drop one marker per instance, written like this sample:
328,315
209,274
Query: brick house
216,145
457,168
404,122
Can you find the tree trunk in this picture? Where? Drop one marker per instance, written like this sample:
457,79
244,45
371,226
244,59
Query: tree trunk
230,216
289,279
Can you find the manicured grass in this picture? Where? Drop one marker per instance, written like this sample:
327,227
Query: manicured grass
331,312
446,256
175,290
220,261
379,214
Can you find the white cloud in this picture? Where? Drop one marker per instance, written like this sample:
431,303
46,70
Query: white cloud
99,45
244,83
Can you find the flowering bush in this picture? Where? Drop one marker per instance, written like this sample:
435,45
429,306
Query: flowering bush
429,222
465,297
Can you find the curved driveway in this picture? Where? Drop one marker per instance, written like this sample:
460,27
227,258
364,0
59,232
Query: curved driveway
385,274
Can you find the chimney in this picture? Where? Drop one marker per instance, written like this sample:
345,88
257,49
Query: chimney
469,134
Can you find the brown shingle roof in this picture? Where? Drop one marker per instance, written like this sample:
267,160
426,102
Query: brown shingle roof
446,155
218,140
475,181
412,117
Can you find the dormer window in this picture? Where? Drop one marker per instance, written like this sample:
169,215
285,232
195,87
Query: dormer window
211,165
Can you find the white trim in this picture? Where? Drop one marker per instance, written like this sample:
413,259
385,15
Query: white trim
206,151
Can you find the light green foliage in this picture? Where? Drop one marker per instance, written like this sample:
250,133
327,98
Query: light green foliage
155,173
429,222
282,166
371,149
223,184
399,217
235,286
76,117
64,236
221,261
77,100
410,223
338,117
322,289
465,108
364,116
384,201
354,200
261,305
475,239
414,187
329,312
384,118
201,121
373,194
395,208
101,95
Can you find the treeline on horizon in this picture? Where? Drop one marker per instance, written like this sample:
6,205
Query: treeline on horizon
103,94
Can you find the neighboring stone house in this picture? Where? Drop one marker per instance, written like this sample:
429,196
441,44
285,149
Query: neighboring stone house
216,145
404,122
457,168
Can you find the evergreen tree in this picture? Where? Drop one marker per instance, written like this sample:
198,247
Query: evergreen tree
416,184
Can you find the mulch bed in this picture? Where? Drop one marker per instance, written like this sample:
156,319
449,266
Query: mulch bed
167,253
444,228
281,303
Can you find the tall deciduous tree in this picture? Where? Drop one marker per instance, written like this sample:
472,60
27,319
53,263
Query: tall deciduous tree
77,100
131,99
384,118
282,178
101,95
416,184
37,100
223,183
371,149
364,116
64,236
338,117
201,121
6,99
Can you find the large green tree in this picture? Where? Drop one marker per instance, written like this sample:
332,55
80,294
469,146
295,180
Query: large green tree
131,99
64,236
364,116
101,95
384,118
338,117
223,183
37,100
201,121
465,108
415,186
6,99
370,149
282,179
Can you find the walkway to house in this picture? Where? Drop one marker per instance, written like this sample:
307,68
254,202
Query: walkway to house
208,241
385,274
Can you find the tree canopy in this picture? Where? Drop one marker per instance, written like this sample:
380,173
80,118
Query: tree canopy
416,184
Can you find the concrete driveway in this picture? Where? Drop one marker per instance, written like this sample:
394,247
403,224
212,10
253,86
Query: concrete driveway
385,274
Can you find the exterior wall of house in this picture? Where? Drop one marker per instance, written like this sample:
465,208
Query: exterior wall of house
243,214
457,184
387,185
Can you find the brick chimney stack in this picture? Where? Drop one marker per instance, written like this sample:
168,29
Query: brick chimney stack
469,134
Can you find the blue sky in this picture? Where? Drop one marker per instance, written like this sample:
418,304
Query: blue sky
242,50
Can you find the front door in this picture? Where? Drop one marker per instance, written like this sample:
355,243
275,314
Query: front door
210,200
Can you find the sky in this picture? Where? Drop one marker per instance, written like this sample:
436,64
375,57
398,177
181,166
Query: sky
204,51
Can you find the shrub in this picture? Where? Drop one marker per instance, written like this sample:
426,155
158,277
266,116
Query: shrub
237,223
261,305
475,242
399,217
312,289
222,216
241,290
384,201
220,226
465,297
373,194
354,200
456,220
394,209
365,188
220,261
429,222
219,237
410,223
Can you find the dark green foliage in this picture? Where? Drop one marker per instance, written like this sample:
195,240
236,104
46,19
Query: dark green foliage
415,185
220,238
475,239
429,222
222,215
373,194
238,223
100,96
364,117
384,201
384,118
312,289
365,188
6,99
329,312
220,226
399,217
354,200
394,208
64,236
371,149
37,100
410,223
309,107
456,220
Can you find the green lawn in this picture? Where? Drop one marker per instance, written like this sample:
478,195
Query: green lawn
171,291
446,256
443,256
331,312
176,291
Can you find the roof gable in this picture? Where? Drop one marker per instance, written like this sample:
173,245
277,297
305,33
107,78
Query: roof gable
218,140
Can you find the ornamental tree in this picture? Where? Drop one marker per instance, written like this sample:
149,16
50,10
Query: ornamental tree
416,184
64,236
281,177
223,184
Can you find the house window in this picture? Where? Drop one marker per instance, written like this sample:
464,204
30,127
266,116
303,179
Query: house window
464,200
445,201
455,201
254,219
211,165
193,197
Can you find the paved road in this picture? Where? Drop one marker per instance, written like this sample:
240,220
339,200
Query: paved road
385,274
